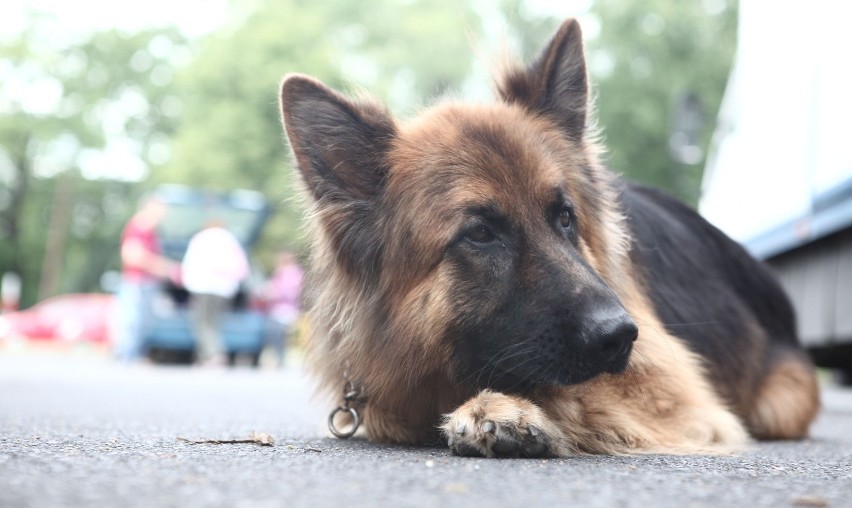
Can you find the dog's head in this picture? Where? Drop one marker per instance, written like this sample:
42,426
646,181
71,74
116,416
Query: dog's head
476,238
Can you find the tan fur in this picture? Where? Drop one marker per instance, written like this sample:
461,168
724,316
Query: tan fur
787,402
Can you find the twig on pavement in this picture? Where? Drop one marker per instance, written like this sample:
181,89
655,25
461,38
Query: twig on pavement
259,438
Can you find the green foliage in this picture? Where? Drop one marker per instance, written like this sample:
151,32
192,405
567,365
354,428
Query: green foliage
230,133
59,105
645,56
528,32
648,55
205,112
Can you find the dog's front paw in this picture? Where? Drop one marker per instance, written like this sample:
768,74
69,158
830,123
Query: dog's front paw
497,425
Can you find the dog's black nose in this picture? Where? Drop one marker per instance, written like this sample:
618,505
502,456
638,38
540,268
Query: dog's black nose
614,337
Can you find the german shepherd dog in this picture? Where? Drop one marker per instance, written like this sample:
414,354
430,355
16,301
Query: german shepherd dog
482,280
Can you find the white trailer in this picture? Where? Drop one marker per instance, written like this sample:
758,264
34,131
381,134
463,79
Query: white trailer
779,173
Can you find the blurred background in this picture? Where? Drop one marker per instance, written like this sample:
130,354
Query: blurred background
104,102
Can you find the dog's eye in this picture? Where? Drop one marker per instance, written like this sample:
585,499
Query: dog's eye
481,235
564,218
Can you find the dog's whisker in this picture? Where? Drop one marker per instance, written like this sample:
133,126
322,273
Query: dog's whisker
530,358
658,333
493,362
523,380
693,323
632,372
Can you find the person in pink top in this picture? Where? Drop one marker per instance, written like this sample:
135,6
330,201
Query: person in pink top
283,294
212,270
142,269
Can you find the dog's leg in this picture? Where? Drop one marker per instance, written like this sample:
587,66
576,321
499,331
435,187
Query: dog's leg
493,424
600,417
649,412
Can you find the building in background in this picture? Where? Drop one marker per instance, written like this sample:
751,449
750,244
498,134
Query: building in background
779,175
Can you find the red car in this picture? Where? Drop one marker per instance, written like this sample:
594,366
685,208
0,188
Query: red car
69,318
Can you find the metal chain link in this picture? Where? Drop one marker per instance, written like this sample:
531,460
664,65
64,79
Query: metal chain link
351,398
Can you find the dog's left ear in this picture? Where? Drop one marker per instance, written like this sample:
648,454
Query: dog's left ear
555,84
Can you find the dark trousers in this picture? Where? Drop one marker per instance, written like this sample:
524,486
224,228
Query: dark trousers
207,313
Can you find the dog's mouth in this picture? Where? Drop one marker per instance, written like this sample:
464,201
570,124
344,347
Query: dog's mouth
579,371
529,373
556,352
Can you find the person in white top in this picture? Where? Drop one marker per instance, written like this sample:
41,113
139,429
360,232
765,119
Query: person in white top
212,270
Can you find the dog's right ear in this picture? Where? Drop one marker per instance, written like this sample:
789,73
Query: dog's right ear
339,145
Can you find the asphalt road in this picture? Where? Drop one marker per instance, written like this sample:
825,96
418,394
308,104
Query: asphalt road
77,430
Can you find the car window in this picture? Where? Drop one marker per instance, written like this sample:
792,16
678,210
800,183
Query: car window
183,221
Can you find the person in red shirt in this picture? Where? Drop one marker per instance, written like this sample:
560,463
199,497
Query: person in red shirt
142,268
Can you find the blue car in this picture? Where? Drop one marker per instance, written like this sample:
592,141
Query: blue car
244,329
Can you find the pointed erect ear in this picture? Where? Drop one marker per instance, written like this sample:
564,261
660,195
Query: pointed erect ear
340,145
555,84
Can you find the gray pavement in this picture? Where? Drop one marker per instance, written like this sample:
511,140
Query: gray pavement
77,430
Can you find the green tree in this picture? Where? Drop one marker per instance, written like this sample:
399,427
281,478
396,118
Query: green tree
213,123
645,58
649,56
230,132
61,106
528,31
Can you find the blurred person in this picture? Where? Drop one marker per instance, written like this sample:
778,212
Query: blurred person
142,269
212,270
283,293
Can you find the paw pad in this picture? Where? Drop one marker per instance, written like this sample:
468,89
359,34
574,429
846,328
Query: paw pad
504,439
